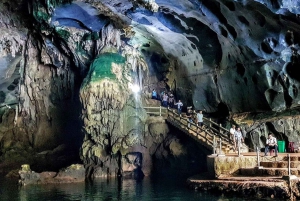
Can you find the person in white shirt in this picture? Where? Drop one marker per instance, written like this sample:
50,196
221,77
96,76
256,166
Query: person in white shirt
238,138
232,131
200,118
179,106
271,143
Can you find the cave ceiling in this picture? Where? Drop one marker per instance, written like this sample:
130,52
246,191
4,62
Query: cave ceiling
243,54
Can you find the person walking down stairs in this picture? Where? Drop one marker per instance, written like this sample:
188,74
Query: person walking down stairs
165,100
189,117
179,106
238,138
232,131
200,118
171,101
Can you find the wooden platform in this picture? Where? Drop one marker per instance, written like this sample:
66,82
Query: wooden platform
247,165
261,154
234,174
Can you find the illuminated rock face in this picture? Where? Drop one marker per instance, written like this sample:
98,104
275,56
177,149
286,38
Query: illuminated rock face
113,116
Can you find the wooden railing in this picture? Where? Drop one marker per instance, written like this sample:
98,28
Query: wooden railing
192,129
211,131
210,135
218,129
160,111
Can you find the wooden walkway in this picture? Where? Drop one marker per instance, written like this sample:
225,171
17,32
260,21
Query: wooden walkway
211,135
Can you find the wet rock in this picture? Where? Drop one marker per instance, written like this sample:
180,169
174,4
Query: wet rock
71,174
259,188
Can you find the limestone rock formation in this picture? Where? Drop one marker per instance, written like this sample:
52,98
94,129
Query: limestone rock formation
68,69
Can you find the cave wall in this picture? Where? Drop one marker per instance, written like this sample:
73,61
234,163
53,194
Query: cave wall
67,69
40,94
256,127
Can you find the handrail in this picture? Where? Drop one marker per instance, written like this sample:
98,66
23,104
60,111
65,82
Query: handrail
212,122
207,136
162,110
216,132
220,134
156,107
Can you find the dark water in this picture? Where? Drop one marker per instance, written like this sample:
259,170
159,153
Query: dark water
109,190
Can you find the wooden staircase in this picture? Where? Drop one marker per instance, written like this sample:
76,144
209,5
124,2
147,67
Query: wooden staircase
211,135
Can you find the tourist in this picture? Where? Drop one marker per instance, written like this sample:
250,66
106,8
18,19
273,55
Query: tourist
165,100
171,101
200,118
162,95
232,131
189,116
179,106
238,138
271,144
154,94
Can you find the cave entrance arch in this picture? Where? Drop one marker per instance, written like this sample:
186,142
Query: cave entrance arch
223,110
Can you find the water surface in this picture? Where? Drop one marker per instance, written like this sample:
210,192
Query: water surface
149,189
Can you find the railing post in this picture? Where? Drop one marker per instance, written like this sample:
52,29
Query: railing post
220,149
159,110
214,144
209,122
289,167
239,146
220,125
257,155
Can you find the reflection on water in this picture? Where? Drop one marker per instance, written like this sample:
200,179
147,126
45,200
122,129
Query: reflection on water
107,190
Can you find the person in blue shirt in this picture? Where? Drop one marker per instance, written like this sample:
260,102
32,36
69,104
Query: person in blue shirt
154,94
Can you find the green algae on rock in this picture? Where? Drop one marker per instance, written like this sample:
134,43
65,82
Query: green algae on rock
102,66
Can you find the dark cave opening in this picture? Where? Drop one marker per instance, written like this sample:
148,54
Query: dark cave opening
223,110
184,165
293,70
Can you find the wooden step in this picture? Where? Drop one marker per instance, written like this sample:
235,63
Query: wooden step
279,158
267,171
280,164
